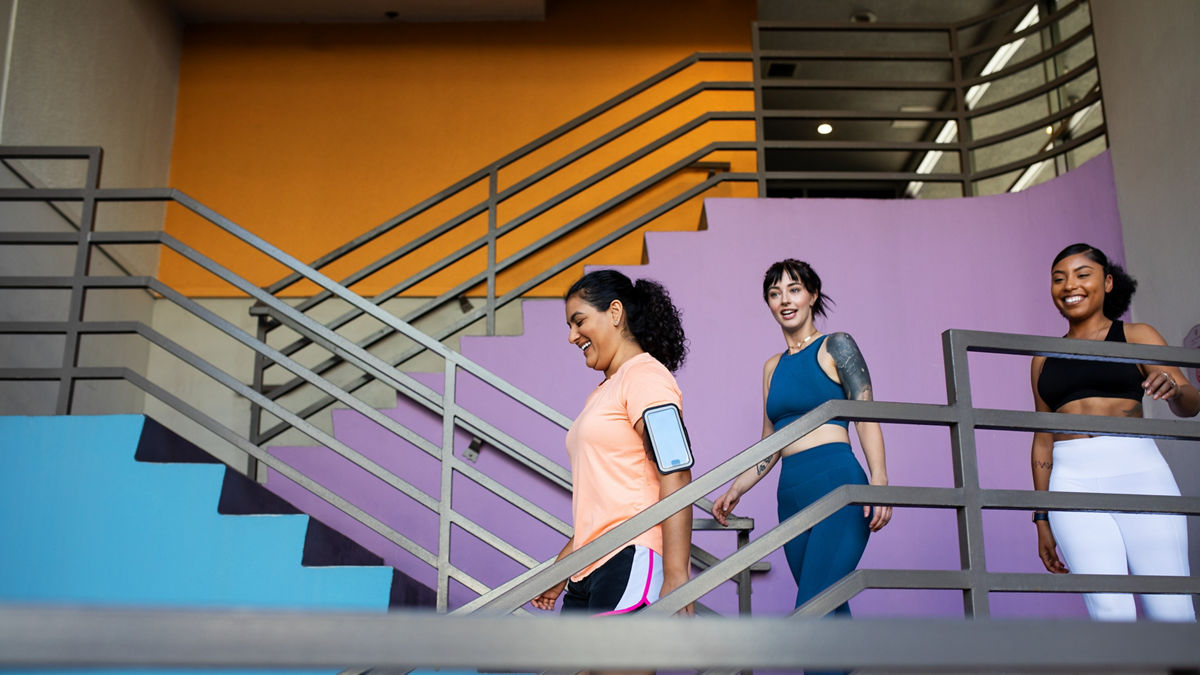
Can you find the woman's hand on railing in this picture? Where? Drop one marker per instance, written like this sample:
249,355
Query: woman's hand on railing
1048,549
546,600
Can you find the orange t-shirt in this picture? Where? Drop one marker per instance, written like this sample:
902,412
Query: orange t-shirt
614,478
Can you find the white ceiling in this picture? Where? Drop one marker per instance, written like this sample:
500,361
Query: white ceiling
357,11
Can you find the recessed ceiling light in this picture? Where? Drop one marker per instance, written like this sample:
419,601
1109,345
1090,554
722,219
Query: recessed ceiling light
862,16
824,128
1049,129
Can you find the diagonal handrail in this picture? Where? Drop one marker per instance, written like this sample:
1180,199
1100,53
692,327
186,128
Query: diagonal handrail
523,287
484,241
524,150
399,381
957,344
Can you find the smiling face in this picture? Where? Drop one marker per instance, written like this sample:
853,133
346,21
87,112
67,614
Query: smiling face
791,303
598,333
1078,285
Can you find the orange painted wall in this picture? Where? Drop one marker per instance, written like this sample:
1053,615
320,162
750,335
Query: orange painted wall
311,135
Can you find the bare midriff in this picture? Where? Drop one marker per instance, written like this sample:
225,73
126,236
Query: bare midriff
826,433
1096,405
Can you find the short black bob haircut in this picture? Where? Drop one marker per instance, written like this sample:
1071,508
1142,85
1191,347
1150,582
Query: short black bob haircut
802,271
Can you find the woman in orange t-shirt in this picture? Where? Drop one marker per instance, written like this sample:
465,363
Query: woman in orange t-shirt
632,333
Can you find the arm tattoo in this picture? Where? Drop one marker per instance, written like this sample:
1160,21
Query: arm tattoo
851,368
763,467
1044,465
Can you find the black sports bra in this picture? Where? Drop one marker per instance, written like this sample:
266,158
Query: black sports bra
1065,380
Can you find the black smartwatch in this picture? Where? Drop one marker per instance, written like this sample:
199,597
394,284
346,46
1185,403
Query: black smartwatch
1041,515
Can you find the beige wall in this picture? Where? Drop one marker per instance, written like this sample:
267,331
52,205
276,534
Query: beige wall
88,73
1148,54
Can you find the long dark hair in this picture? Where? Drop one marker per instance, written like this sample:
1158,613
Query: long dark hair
802,272
1117,300
651,316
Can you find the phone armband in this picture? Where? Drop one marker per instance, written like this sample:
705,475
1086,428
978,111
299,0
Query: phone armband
668,438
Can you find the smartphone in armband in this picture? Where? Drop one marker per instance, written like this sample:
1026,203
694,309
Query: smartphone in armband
668,438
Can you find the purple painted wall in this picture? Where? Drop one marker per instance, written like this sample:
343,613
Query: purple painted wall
900,272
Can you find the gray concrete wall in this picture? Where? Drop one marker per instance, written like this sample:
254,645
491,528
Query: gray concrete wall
1148,54
91,73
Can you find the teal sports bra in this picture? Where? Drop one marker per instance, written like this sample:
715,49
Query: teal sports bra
798,385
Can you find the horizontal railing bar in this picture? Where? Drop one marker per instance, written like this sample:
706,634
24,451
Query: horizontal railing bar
915,27
27,374
1061,114
849,55
861,145
39,238
1045,500
75,637
79,194
1061,148
1015,582
1029,31
735,523
871,85
992,14
1070,348
1040,57
1065,423
1029,94
864,175
88,152
931,115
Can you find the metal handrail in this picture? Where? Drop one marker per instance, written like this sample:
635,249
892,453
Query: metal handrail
443,404
967,497
498,301
524,150
954,107
490,205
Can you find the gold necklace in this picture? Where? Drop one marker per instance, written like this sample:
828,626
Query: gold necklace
802,343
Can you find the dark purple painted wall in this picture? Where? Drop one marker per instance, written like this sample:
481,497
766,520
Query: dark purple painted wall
901,272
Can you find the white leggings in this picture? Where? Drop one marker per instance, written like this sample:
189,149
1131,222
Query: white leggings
1118,543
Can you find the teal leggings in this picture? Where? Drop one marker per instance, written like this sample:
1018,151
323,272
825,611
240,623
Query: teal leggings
832,548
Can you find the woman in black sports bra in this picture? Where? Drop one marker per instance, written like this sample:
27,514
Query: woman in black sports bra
1090,293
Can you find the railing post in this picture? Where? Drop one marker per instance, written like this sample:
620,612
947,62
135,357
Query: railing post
83,255
759,130
449,410
493,207
257,383
966,475
966,162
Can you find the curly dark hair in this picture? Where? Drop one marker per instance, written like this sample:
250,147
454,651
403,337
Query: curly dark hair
805,274
1117,300
650,315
